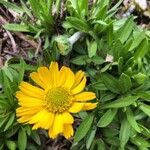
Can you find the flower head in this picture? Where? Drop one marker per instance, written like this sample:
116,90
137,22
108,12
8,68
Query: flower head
50,104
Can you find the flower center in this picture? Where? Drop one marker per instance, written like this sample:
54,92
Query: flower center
58,100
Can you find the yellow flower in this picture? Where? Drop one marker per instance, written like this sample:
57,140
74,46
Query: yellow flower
50,105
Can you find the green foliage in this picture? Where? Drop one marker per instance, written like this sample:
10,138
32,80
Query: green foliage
11,76
115,55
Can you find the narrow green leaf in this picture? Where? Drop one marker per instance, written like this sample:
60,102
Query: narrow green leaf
110,132
90,137
131,120
7,73
3,120
12,6
145,108
83,7
7,89
80,60
83,128
100,144
107,118
110,82
92,48
142,49
144,95
10,121
100,22
22,139
138,37
21,70
140,142
125,83
16,27
124,133
124,32
35,137
78,24
121,102
114,8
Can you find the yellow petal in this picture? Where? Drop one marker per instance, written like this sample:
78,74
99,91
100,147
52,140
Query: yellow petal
27,101
48,121
44,120
31,90
67,79
68,131
36,78
37,117
79,87
67,118
45,76
62,76
24,119
54,71
78,77
76,107
24,111
89,106
57,126
84,96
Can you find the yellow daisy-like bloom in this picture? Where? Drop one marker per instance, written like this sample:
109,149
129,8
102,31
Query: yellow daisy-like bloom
50,105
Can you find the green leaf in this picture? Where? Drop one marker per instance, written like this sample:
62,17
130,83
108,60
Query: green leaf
83,128
10,121
121,102
7,73
132,121
7,89
124,133
17,27
140,78
138,37
107,118
82,7
142,49
99,86
12,6
118,50
114,8
26,9
125,83
35,137
22,139
110,82
80,60
124,32
11,145
144,95
21,70
140,142
92,48
145,108
90,137
100,144
78,24
3,120
100,22
110,132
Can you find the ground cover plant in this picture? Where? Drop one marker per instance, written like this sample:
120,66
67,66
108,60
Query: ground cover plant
74,74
